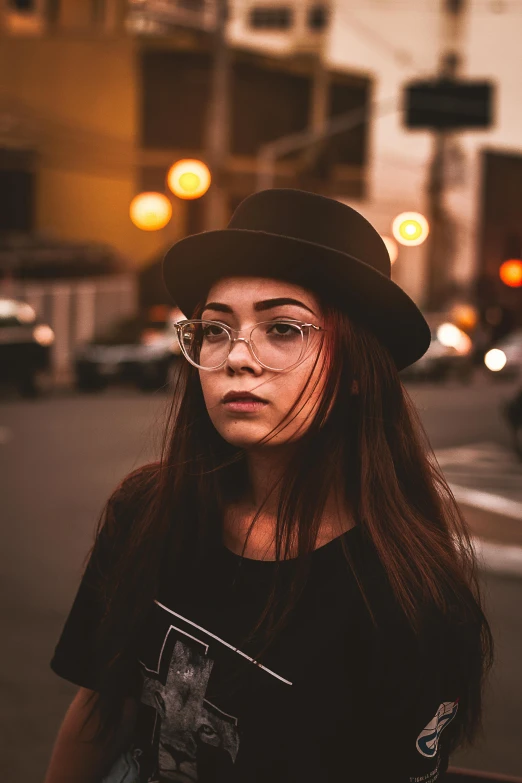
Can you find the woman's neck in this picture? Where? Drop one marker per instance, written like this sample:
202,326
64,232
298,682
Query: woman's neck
264,470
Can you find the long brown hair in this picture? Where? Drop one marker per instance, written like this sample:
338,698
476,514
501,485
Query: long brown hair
374,440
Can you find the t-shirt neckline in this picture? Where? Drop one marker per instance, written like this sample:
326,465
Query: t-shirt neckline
318,553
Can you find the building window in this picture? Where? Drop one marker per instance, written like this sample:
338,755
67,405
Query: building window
175,88
22,6
16,190
192,5
266,18
266,104
317,18
350,146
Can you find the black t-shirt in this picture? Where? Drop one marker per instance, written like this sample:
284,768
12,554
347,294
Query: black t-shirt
334,700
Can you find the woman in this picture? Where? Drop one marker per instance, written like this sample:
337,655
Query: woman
290,593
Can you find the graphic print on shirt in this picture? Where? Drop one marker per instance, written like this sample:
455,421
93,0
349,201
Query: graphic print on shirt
428,739
191,733
185,718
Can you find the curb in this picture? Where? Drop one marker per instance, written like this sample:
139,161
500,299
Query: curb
487,501
495,524
501,559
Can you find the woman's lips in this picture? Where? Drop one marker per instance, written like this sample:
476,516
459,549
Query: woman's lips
244,405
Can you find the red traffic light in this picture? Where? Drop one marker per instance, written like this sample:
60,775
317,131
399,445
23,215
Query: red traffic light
511,272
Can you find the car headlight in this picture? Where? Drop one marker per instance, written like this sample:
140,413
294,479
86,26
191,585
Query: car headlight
26,314
43,334
495,360
451,336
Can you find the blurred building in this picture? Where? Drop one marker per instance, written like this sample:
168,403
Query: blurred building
398,41
395,42
98,98
68,109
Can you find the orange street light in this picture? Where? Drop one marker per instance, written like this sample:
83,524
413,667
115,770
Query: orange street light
511,272
150,211
391,247
189,178
465,316
410,228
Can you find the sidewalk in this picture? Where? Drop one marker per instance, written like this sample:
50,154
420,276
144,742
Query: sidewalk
486,480
497,540
493,527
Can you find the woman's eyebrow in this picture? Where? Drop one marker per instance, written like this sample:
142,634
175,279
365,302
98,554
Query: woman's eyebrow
265,304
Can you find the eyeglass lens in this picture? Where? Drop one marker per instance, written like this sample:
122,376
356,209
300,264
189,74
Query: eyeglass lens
276,344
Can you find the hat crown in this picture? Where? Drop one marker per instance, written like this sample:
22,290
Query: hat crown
312,218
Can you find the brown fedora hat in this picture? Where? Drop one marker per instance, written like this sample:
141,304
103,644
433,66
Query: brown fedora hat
314,241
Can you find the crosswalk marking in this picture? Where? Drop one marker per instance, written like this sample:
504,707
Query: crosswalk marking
499,558
487,501
484,475
482,457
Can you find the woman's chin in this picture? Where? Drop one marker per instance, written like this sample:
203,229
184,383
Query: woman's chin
241,441
243,435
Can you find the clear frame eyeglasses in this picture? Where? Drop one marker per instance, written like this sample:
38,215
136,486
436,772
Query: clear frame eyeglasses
276,345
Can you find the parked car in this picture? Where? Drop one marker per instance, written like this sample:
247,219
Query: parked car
25,347
448,356
504,360
141,350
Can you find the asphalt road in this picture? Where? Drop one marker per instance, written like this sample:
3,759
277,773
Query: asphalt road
61,457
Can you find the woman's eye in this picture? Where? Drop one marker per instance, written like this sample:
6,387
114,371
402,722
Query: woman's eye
283,329
213,331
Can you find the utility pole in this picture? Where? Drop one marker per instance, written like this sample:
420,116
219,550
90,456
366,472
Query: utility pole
442,243
217,143
318,109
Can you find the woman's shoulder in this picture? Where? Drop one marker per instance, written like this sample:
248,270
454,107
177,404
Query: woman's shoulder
122,510
129,499
136,485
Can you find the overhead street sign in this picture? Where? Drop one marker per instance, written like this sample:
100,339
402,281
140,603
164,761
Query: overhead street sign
448,104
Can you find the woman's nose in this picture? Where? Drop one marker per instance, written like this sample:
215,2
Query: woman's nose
241,355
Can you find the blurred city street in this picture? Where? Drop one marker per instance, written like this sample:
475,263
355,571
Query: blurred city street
130,126
63,454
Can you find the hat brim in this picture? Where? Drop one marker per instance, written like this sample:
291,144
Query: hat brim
194,263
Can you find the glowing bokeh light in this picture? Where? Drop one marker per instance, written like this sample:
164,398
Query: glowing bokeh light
495,360
12,308
43,334
465,316
150,211
511,272
189,178
448,334
451,336
26,313
410,228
